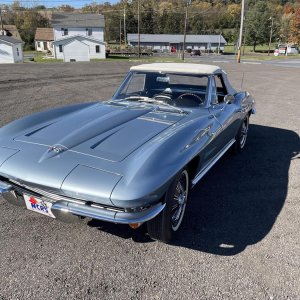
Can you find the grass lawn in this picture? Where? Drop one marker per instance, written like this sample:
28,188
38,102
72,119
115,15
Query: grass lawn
248,49
41,58
34,56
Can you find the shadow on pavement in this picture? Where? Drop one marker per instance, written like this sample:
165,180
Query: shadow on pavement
236,204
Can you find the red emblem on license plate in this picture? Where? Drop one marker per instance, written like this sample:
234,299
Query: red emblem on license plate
32,200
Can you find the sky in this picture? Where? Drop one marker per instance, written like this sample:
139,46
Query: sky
53,3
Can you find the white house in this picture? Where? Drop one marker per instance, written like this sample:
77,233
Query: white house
79,48
10,50
78,37
43,39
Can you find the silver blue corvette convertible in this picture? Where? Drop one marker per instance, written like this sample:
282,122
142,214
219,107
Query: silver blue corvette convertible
131,159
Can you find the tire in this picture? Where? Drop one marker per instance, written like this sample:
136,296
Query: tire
241,136
164,226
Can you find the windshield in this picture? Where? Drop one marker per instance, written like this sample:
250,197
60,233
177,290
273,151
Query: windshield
182,90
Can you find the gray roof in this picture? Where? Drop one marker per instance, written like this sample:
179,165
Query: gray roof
175,38
10,39
77,37
77,20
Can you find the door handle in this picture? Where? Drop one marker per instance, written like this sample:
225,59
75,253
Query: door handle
211,134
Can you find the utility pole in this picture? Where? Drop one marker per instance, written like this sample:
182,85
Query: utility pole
139,36
185,27
219,42
271,33
125,26
244,42
1,21
120,34
241,32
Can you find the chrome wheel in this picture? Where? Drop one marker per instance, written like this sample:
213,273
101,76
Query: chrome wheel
164,226
243,133
179,200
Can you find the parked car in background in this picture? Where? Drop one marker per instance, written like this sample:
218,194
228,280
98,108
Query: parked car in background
292,50
195,53
132,159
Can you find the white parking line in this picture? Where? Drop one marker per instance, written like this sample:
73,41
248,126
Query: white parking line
220,61
289,62
251,63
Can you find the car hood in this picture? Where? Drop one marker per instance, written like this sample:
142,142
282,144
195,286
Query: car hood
103,131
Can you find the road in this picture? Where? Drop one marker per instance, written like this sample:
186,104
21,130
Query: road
239,240
217,59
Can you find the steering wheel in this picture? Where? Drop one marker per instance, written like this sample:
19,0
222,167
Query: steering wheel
180,97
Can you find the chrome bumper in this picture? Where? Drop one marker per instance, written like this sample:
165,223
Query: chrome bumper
71,211
67,211
5,188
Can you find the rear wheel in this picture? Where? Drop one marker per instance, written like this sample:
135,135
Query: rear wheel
164,226
241,136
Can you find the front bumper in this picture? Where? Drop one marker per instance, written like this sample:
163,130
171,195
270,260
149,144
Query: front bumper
70,211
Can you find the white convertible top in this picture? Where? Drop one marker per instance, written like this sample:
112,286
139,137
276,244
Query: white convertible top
178,68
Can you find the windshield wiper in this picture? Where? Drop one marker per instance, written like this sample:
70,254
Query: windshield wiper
137,98
159,102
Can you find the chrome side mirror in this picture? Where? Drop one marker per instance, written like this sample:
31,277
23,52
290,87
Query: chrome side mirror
228,99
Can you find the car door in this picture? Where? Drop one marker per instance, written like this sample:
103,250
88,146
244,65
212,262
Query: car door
213,130
226,113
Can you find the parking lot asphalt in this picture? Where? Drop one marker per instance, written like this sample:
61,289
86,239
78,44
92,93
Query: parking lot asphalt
240,236
291,62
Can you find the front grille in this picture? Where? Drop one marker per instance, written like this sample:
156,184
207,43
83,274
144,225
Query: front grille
51,197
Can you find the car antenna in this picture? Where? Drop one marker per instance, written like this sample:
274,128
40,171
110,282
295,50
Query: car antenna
242,80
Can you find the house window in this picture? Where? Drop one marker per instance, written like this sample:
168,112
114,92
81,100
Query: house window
89,31
39,44
97,49
60,48
18,52
65,31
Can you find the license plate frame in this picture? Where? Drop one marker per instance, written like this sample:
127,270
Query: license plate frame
38,205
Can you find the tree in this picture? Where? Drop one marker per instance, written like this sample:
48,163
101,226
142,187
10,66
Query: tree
39,7
258,24
27,21
233,13
66,8
285,27
93,7
148,17
294,36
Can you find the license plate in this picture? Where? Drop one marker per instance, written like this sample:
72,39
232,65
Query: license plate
38,205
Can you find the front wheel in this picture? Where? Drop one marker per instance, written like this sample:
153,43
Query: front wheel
241,136
164,226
